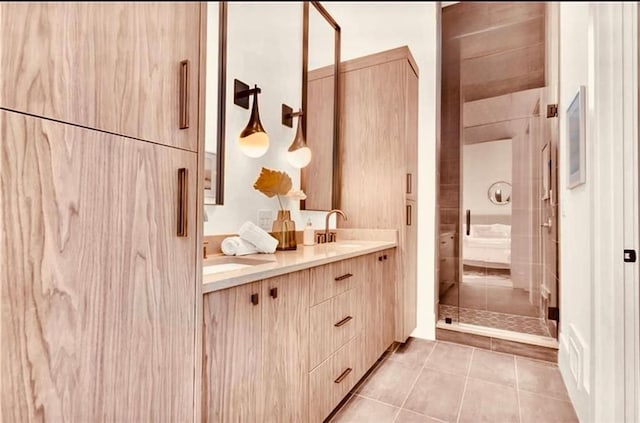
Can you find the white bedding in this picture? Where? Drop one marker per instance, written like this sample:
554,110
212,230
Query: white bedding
488,245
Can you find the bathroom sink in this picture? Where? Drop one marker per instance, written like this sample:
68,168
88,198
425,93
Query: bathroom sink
227,264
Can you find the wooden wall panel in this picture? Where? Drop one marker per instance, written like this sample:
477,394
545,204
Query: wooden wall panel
98,292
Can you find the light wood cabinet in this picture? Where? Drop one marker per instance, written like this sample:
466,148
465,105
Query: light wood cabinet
379,123
285,340
98,291
333,379
379,314
255,351
117,67
232,355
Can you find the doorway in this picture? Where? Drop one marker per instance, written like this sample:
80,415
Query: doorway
498,173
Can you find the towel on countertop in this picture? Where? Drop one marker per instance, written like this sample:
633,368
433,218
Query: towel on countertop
258,237
236,246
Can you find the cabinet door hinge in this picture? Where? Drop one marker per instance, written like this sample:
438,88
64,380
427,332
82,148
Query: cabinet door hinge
552,110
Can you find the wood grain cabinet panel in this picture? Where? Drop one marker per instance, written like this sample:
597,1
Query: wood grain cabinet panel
389,275
333,379
332,324
98,292
379,118
104,65
285,345
332,279
232,355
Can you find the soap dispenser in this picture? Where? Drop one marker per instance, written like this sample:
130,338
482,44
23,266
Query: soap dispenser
308,234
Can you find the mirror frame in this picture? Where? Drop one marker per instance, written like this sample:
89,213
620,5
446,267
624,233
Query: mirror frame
335,185
221,100
491,197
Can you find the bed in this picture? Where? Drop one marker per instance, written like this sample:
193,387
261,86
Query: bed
487,246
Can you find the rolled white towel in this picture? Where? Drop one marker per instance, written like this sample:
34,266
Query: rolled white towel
258,237
236,246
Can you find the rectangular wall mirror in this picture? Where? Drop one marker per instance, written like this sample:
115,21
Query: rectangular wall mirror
214,125
320,180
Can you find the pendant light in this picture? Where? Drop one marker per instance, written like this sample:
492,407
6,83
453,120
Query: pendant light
253,140
298,154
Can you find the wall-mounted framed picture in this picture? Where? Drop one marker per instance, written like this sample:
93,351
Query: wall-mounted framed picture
576,140
210,178
546,171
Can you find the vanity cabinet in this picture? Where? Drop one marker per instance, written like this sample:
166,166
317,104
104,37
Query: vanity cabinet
98,291
255,351
290,348
379,313
126,68
378,161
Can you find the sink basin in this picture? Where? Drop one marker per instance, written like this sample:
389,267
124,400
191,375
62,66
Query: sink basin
227,264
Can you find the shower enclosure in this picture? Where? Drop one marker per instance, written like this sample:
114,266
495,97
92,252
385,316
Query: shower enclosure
497,203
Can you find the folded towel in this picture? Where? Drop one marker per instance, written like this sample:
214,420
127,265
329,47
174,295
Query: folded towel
236,246
258,237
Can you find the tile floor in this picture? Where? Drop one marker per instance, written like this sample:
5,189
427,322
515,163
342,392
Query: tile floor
428,382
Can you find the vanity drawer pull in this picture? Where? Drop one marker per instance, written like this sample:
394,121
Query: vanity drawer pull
343,321
273,292
343,277
343,375
254,299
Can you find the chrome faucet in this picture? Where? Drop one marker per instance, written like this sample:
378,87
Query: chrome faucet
330,236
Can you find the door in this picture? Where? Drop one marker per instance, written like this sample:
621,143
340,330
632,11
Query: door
388,276
117,67
98,291
372,310
232,355
285,343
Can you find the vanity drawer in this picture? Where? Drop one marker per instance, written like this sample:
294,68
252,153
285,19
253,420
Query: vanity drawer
335,278
332,324
332,380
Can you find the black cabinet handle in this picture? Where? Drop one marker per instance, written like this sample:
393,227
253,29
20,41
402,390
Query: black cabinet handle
184,94
385,256
183,201
254,299
343,321
273,292
468,222
343,277
343,375
380,258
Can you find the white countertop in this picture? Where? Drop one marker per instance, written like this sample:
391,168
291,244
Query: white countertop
283,262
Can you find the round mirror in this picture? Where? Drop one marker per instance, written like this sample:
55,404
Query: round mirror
500,193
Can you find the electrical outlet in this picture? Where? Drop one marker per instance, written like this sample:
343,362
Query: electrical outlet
265,219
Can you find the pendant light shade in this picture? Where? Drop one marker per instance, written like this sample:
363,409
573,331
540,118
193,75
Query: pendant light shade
253,140
299,154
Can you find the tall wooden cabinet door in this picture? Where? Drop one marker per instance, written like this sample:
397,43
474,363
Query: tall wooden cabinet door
98,291
372,153
407,288
372,312
411,130
388,273
232,355
105,65
285,324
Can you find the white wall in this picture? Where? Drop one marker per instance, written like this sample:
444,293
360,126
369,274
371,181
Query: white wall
483,164
265,48
575,215
597,42
367,28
